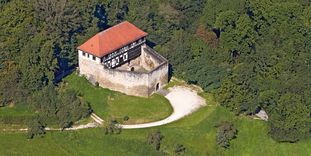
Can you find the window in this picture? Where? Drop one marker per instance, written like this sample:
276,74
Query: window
83,53
117,60
94,58
113,62
125,56
88,55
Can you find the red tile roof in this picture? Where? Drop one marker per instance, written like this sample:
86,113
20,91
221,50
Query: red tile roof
111,39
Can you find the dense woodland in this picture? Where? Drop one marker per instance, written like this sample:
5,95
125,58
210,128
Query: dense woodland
251,54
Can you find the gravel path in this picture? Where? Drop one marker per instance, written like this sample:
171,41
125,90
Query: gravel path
183,100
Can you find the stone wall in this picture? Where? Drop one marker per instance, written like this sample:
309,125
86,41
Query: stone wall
128,82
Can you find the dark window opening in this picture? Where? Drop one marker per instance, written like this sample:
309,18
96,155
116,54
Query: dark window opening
94,58
83,53
132,69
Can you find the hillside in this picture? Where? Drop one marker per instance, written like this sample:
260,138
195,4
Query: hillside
247,55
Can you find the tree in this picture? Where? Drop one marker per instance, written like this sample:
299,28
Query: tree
35,128
290,119
71,108
10,89
225,133
239,92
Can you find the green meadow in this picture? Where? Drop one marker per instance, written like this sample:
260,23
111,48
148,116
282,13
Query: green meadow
197,132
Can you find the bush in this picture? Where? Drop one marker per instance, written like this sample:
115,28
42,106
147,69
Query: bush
155,139
225,133
126,118
113,127
179,149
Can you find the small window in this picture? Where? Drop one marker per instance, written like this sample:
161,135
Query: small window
83,53
117,60
88,55
94,58
125,57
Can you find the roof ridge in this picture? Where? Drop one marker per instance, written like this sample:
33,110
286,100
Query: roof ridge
115,26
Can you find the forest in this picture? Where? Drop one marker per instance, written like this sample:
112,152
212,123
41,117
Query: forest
250,54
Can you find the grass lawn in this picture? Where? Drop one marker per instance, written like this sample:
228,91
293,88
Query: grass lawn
15,116
109,104
16,110
196,132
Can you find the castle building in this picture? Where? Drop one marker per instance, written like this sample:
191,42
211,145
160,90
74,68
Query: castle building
119,59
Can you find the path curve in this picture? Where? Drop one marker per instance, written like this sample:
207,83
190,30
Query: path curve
183,100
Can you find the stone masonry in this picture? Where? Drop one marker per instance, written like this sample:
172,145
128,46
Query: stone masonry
152,76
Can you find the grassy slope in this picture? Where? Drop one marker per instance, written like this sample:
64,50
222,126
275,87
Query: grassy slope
109,104
19,110
15,116
196,132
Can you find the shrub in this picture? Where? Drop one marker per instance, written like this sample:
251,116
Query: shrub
179,149
113,127
126,118
225,133
155,139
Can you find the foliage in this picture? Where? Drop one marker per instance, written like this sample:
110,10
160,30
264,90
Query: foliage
113,127
225,133
35,128
179,149
251,53
126,118
65,106
155,138
290,120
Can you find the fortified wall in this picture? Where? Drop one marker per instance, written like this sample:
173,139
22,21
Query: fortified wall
142,76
